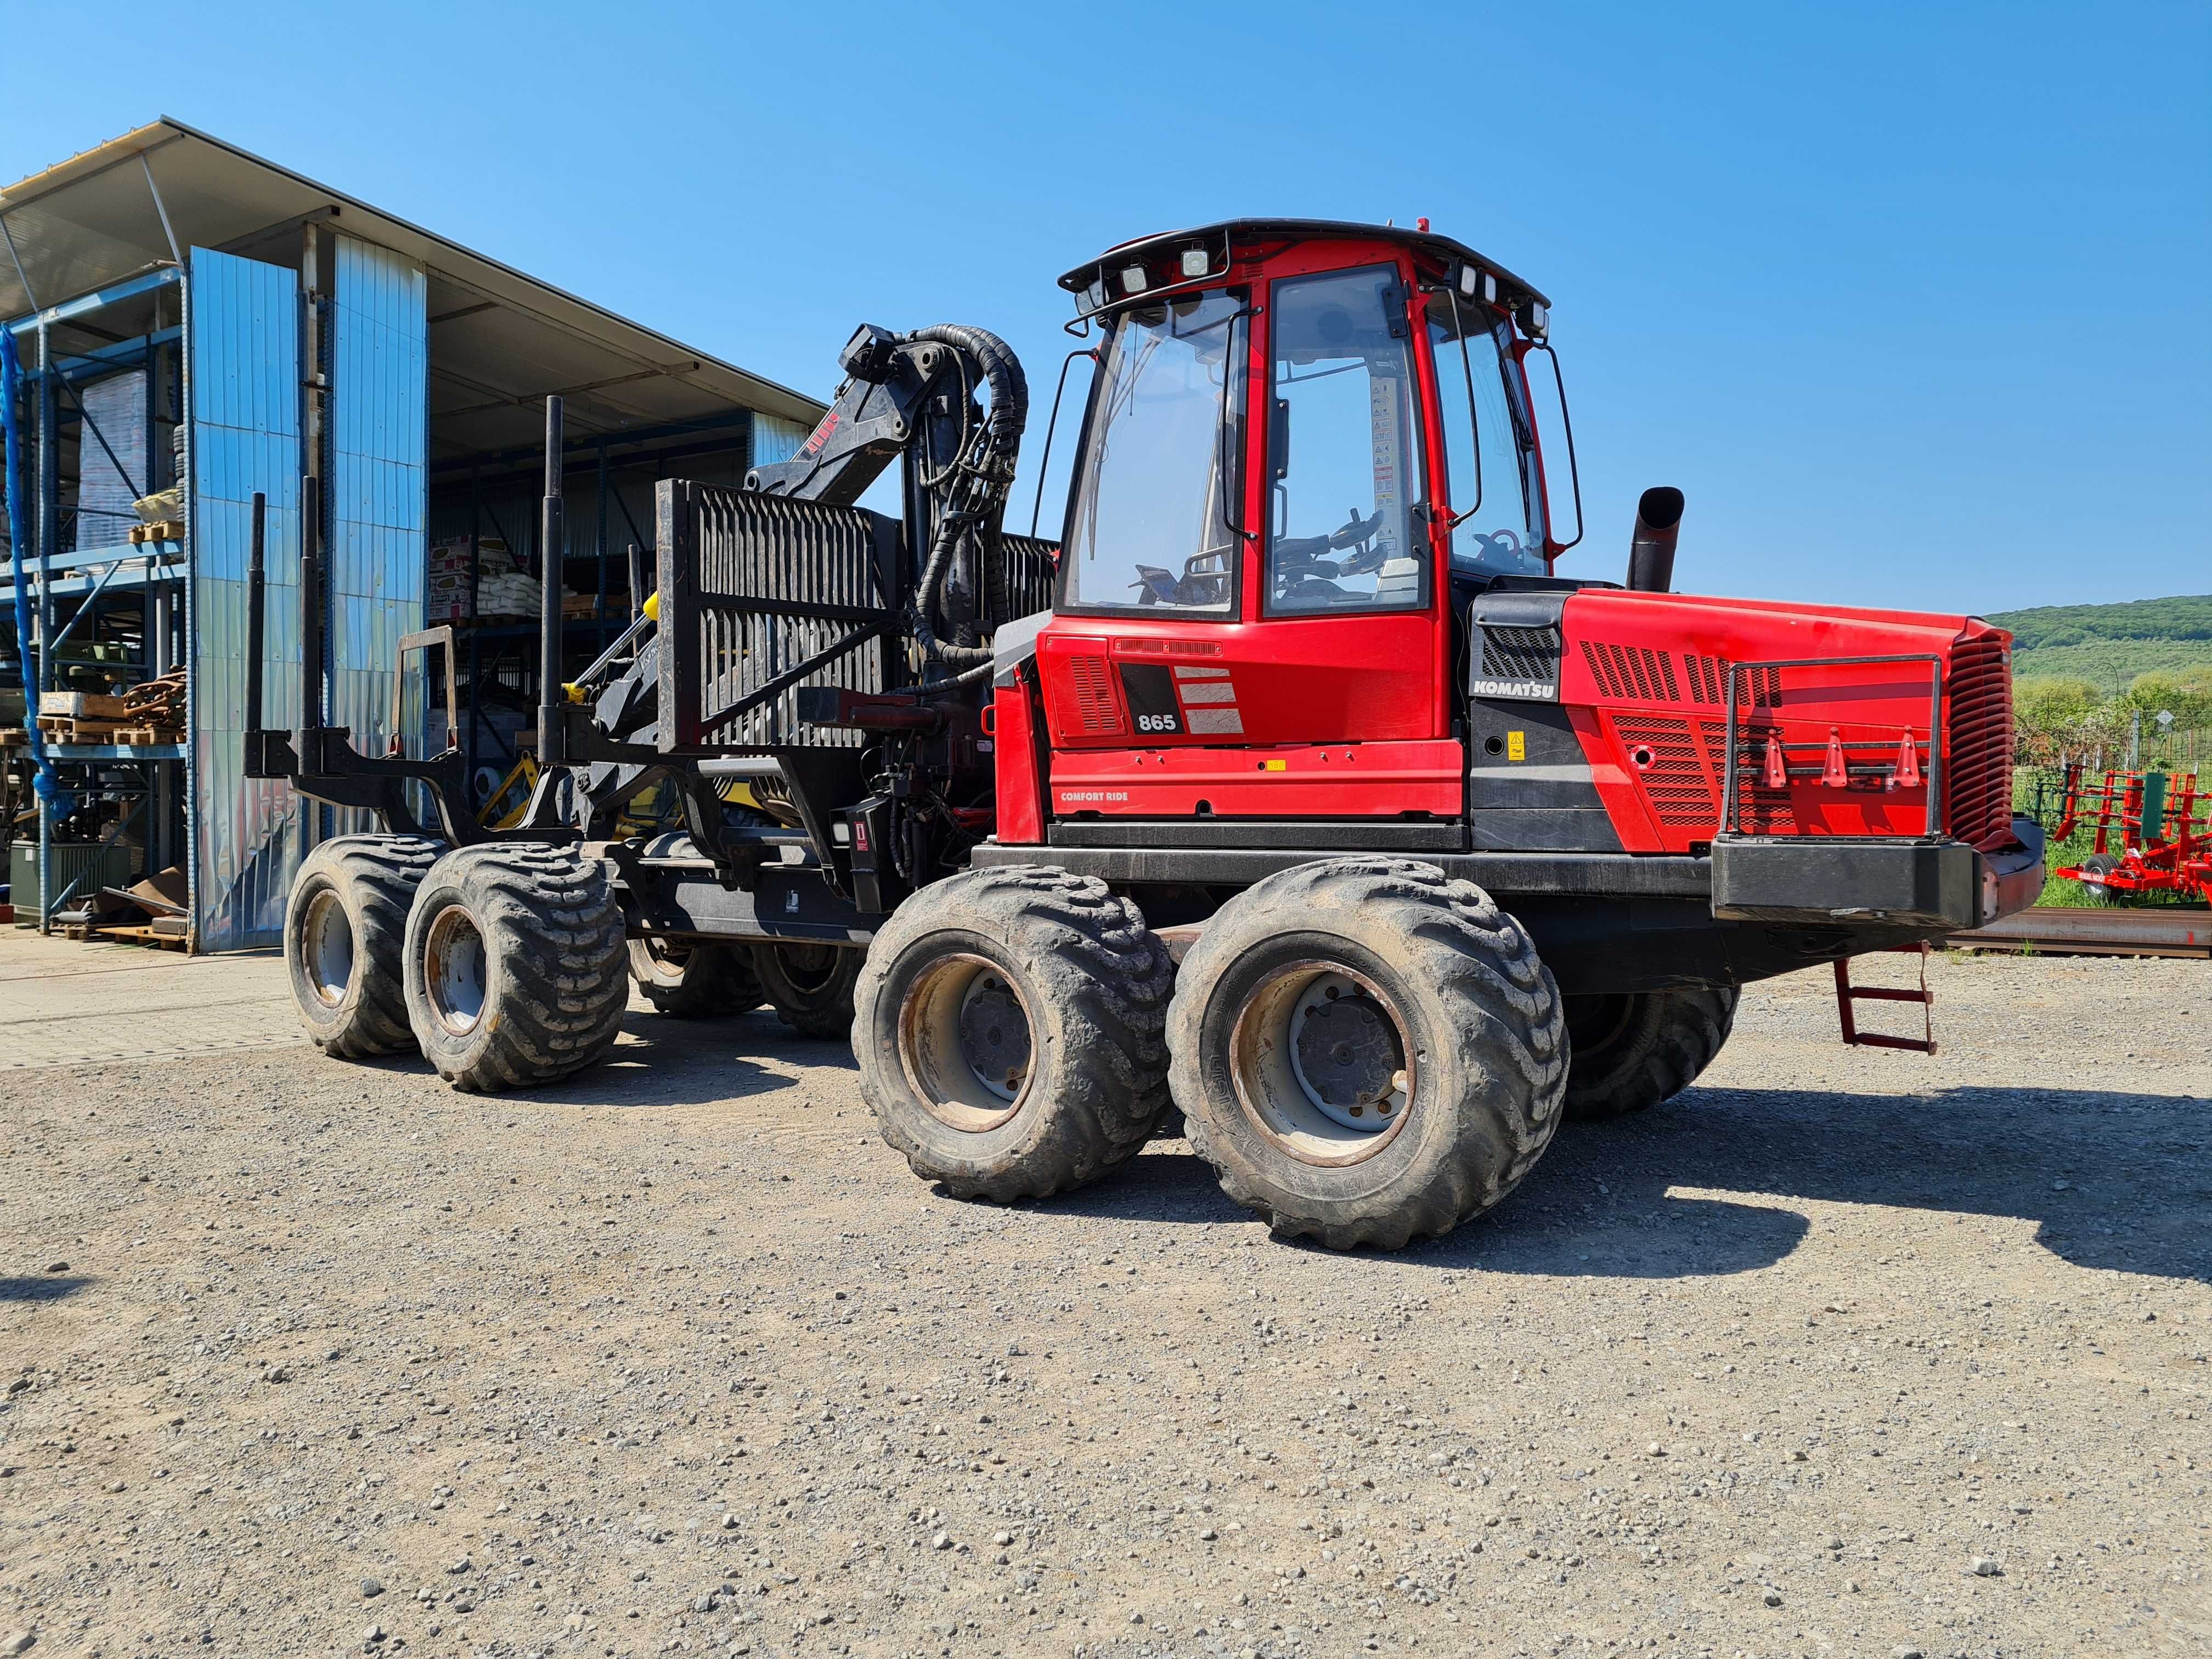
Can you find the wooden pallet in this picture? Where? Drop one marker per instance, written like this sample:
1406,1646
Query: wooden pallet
167,529
60,728
147,936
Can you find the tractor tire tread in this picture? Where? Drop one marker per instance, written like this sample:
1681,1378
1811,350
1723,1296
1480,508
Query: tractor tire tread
377,875
1676,1034
1108,978
556,1011
1485,970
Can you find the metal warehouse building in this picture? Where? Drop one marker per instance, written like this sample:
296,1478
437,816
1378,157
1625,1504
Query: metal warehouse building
190,318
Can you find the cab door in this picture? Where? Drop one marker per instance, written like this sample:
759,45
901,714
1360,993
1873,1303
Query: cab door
1300,669
1343,643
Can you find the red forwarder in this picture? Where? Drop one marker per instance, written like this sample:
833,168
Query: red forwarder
1467,845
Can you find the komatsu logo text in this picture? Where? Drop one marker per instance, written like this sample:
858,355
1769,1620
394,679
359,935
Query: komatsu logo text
1536,690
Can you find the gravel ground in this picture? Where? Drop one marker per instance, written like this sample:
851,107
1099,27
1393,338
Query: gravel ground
1843,1353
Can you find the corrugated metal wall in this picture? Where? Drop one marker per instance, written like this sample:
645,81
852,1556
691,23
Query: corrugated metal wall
112,467
775,440
380,368
244,342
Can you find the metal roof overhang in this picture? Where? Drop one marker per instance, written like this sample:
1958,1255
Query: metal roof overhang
500,341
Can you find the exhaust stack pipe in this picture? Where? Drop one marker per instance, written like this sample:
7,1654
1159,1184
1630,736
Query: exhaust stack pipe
1651,551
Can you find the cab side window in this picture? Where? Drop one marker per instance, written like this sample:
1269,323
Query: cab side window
1344,445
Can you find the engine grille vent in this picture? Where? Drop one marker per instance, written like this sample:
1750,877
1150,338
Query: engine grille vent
1688,764
1639,674
1977,778
1520,654
1631,670
1096,705
1675,782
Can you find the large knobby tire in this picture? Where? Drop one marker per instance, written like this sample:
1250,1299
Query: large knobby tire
809,986
1367,1051
1010,1031
346,934
514,965
694,981
1632,1050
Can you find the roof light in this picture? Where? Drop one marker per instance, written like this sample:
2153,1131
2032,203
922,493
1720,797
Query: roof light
1195,262
1134,280
1097,294
1536,318
1476,283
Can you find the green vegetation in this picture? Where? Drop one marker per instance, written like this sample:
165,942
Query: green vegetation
2083,676
2183,617
2109,645
2110,664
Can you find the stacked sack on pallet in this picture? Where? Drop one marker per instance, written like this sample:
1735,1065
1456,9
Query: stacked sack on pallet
503,592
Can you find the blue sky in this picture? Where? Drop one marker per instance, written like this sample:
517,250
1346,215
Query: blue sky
1914,302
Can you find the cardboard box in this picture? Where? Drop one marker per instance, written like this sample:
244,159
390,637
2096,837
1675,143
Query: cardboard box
83,705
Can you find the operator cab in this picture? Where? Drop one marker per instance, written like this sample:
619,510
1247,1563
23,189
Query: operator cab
1307,445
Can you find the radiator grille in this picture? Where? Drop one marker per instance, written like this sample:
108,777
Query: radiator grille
1520,654
1096,705
1977,778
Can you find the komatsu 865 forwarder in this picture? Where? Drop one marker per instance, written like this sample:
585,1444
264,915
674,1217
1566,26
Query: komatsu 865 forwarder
1451,848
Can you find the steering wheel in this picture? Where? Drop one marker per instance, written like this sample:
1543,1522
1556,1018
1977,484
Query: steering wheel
1357,532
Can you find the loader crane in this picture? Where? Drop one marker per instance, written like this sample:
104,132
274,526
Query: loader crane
1293,791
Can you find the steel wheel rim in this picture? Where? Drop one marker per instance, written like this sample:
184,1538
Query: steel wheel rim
455,969
326,948
964,1059
1313,1081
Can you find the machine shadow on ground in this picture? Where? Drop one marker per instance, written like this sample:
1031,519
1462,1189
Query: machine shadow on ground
660,1062
2052,1157
42,1287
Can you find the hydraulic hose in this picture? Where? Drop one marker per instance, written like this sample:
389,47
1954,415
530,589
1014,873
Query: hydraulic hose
980,476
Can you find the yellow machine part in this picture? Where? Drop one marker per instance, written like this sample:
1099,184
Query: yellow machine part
648,810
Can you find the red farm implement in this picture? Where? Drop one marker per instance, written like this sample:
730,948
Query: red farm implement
2151,834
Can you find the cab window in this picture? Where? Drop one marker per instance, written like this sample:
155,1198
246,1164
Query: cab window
1343,448
1489,487
1149,528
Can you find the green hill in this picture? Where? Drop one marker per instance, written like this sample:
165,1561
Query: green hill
2110,644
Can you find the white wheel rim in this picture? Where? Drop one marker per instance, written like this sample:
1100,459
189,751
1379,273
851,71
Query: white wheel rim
1322,1063
966,1043
455,970
326,948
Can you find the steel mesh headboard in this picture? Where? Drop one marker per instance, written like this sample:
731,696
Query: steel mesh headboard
760,595
1020,580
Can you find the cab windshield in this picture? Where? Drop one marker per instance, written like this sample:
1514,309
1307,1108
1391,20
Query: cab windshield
1150,527
1489,481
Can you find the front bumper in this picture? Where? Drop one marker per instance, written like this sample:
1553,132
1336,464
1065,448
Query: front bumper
1943,886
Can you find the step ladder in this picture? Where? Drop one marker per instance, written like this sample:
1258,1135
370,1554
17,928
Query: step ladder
1847,993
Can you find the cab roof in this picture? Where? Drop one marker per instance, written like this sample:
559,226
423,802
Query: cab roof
1235,231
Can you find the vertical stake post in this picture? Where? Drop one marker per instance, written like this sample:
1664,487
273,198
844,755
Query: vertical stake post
311,621
552,541
256,595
